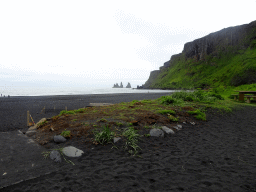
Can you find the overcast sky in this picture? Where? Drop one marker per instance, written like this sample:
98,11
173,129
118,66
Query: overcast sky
96,43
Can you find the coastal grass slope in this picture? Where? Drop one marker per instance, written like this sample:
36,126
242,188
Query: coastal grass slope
218,59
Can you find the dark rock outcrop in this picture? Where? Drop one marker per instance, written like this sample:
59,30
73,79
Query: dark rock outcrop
128,85
116,85
219,41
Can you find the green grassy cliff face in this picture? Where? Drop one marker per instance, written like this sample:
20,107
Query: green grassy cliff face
226,57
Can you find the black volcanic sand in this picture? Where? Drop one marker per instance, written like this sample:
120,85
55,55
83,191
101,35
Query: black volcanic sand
217,155
13,110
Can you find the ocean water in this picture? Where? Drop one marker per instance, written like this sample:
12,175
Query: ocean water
43,91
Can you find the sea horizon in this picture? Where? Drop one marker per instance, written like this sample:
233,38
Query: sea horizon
48,91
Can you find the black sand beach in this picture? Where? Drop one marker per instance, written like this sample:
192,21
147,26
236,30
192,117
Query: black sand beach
13,110
216,155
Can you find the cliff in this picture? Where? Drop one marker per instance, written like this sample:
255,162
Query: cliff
230,50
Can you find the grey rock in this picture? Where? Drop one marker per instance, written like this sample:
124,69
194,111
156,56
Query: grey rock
177,128
59,139
156,133
55,155
72,151
116,139
167,130
30,133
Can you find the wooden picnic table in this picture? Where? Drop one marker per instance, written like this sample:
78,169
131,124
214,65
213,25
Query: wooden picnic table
242,93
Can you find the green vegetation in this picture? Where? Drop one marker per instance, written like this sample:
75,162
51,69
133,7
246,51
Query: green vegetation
132,140
170,112
105,136
146,127
119,124
169,108
65,133
172,118
199,114
67,112
231,67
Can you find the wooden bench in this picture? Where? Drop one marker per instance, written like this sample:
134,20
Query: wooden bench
248,97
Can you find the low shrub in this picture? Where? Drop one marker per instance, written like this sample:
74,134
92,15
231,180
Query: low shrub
167,100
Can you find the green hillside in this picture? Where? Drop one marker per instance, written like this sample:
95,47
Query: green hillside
228,66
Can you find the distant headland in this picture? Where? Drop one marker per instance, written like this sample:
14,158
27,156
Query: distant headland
121,85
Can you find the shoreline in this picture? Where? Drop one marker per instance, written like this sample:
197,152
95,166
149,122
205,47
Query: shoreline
79,95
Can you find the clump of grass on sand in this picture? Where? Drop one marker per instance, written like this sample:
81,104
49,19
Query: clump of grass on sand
104,136
198,114
66,133
131,140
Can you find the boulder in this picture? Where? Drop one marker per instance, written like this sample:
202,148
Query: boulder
167,130
156,133
59,139
55,155
72,151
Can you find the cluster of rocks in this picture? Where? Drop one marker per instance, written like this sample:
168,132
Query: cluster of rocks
55,155
74,152
121,85
71,151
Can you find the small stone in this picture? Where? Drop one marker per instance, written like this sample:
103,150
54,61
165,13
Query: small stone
184,122
177,128
30,133
192,123
116,139
156,133
180,126
55,155
59,139
51,129
167,130
72,151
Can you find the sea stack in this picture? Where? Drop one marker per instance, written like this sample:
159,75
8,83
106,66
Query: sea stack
128,85
116,85
121,85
